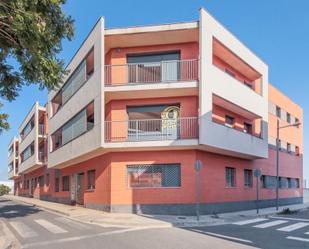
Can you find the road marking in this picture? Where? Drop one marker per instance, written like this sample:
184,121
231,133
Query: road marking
293,227
298,238
23,230
73,224
50,226
286,218
246,222
271,224
222,236
59,241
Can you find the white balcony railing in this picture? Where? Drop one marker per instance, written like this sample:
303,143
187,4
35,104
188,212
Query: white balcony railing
156,72
151,129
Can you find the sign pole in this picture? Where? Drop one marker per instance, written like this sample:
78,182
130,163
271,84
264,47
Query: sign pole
257,174
198,166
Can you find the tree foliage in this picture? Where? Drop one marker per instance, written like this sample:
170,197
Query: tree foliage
31,32
4,190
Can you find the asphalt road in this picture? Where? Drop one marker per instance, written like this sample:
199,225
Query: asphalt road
35,228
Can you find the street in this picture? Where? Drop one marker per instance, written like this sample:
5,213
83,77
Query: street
35,228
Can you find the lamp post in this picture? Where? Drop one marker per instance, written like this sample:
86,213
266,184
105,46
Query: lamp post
277,157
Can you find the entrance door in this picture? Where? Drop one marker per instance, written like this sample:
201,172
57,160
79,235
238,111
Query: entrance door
80,189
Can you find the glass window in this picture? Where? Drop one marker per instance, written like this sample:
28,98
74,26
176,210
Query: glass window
278,111
65,183
47,180
28,152
229,121
153,176
288,117
41,181
283,182
289,148
57,184
248,128
269,181
230,177
248,178
91,179
28,128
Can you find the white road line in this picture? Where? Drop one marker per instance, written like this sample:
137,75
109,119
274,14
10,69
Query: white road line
293,227
59,241
50,226
73,224
271,224
23,230
246,222
222,236
286,218
298,238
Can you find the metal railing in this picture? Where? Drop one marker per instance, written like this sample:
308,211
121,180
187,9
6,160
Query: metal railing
151,129
41,129
155,72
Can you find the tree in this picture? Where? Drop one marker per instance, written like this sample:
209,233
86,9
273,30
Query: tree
4,190
31,32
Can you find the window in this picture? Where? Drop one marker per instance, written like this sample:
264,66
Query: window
47,179
278,111
248,128
296,121
91,179
27,129
153,176
229,121
294,183
229,72
10,150
28,152
289,147
75,82
41,181
283,182
65,183
297,150
230,177
269,181
288,117
248,178
57,184
79,124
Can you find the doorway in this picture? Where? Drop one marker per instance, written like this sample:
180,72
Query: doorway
80,189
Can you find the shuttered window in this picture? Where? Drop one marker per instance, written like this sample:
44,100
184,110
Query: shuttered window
153,176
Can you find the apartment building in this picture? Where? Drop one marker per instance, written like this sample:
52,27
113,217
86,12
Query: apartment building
142,104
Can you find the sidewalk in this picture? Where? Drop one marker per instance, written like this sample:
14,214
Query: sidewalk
106,219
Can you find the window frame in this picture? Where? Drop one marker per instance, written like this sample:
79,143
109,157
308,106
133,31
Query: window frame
233,177
250,184
68,79
90,186
65,185
231,118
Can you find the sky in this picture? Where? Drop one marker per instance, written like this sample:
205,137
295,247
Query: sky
277,31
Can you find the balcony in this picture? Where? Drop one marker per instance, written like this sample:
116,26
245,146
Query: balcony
41,129
151,130
151,73
41,157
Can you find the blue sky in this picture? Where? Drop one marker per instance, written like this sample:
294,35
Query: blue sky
277,31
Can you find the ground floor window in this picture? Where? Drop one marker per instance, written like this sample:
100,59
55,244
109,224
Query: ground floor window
65,183
47,179
41,181
269,181
230,177
153,176
57,184
91,179
248,178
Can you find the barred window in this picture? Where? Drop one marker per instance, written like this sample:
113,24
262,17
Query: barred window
41,181
248,178
47,179
269,181
153,176
283,182
65,183
91,179
230,177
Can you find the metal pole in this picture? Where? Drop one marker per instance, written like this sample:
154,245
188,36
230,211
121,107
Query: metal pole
257,195
198,195
277,167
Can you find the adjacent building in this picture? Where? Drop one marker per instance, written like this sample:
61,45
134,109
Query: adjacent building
142,104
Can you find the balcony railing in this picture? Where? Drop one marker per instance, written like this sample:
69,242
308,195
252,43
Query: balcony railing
156,72
151,129
41,129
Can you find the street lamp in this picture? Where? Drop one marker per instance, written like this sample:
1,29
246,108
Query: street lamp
277,161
